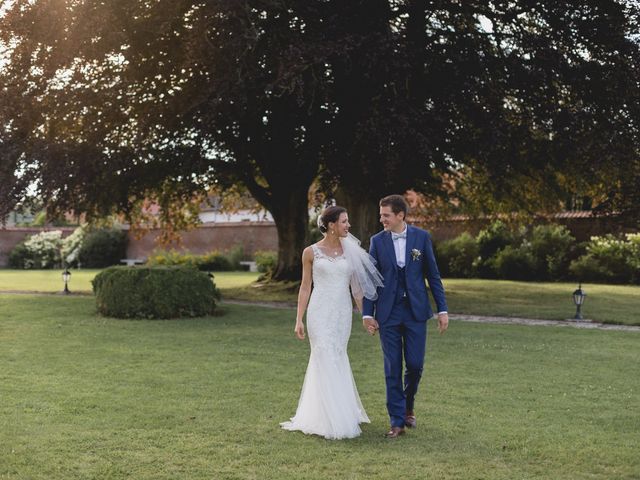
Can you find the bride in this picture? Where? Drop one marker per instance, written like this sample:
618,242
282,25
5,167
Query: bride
329,404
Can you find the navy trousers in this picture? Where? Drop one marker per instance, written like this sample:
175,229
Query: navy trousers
402,336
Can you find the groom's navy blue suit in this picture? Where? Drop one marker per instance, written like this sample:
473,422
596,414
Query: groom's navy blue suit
402,310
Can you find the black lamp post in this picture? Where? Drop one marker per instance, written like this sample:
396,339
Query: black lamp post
66,276
578,298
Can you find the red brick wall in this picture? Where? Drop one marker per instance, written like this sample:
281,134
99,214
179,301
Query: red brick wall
10,237
220,236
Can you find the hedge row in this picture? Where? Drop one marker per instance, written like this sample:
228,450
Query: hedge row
541,253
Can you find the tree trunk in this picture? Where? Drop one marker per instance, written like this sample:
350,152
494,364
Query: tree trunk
291,216
363,213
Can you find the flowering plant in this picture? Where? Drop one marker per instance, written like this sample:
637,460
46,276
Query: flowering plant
415,254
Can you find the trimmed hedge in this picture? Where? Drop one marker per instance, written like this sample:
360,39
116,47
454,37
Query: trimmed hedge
158,292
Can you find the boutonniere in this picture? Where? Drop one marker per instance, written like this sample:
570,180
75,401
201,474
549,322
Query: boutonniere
415,254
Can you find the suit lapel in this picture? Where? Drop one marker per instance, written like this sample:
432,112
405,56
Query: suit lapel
388,243
411,237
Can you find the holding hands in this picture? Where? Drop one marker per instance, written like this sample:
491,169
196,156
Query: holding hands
370,325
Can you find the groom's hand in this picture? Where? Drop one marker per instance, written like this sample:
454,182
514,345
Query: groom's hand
443,322
370,325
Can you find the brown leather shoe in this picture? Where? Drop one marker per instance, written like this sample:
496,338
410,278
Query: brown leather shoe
410,420
395,432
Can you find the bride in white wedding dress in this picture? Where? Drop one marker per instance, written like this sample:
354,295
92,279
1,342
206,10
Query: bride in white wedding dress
329,404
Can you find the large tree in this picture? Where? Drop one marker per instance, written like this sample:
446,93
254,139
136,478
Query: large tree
516,104
105,104
112,103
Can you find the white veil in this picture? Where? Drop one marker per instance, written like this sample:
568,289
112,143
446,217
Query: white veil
365,278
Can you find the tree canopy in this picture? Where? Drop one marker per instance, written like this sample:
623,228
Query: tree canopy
107,104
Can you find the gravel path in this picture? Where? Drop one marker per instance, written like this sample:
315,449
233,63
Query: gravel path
485,319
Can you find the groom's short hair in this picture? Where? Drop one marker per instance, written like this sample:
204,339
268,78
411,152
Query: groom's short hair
397,203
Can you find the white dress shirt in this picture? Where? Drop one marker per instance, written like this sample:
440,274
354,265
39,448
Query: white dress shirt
400,246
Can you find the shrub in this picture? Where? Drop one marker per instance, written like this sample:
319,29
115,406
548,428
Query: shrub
456,257
20,257
213,261
71,246
490,241
609,259
266,261
514,263
102,248
38,251
235,256
551,247
159,292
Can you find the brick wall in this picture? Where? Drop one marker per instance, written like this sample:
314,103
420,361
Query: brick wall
221,236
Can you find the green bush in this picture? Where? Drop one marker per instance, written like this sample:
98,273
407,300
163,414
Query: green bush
235,256
610,260
159,292
41,250
491,240
456,257
551,247
214,261
20,257
514,263
266,261
102,248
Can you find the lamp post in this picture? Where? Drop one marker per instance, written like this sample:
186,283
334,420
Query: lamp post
578,298
66,276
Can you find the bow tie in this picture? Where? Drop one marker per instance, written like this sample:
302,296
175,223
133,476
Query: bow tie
395,236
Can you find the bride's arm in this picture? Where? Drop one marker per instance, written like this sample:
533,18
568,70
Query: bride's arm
305,290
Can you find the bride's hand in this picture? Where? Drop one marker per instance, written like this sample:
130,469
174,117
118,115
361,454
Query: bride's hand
299,330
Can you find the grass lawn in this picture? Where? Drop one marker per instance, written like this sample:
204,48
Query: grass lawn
91,397
51,280
552,301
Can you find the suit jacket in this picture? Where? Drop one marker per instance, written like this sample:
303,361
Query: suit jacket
417,267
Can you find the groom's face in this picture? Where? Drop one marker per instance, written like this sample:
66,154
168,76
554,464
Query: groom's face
393,222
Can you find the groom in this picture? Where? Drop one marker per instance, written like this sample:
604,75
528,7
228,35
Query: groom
404,256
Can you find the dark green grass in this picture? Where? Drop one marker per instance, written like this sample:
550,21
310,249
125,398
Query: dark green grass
86,397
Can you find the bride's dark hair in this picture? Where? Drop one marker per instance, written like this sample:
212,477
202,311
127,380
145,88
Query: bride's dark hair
330,214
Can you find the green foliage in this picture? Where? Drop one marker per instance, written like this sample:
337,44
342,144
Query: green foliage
456,257
491,240
20,256
610,260
214,261
102,248
514,263
266,261
71,247
41,250
551,247
235,256
159,292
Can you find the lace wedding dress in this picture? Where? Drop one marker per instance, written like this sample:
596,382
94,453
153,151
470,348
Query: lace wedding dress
329,404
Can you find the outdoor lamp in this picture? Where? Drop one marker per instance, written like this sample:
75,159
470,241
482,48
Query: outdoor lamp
66,276
578,299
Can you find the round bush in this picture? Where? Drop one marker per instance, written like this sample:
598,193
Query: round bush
158,292
102,248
